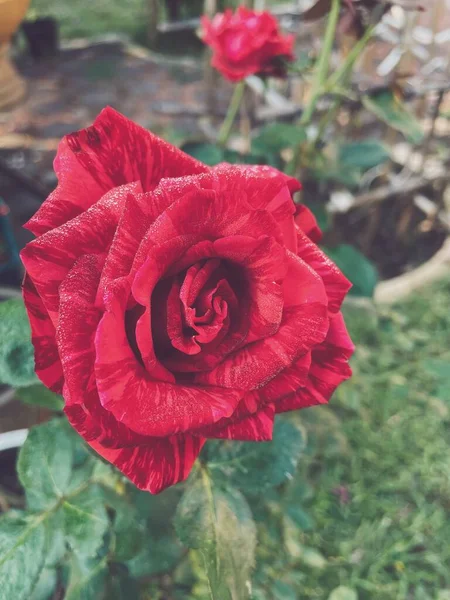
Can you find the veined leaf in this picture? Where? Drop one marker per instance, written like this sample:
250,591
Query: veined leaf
45,465
254,468
45,585
85,521
39,395
87,579
218,523
387,107
16,349
22,554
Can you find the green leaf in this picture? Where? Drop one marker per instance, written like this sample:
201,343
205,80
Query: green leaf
128,527
46,585
45,465
22,554
275,137
255,468
356,267
56,544
301,518
283,591
238,158
387,107
218,523
87,579
159,555
362,155
343,593
440,371
159,509
16,349
120,585
209,154
39,395
313,558
85,521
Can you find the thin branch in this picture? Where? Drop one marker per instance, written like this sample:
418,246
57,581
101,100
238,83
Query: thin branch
397,188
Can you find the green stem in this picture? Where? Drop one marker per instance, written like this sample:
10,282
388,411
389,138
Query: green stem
323,64
232,112
340,78
320,75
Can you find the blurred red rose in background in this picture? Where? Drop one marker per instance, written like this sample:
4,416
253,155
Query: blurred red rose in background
171,302
247,43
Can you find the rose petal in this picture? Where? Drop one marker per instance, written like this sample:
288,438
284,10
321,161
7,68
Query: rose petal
112,152
336,284
257,427
49,258
158,464
149,407
306,221
47,362
75,336
329,368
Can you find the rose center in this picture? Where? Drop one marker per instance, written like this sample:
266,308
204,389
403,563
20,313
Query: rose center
192,311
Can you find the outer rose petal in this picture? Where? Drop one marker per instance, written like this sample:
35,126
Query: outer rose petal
329,368
306,221
153,465
112,152
336,284
157,465
47,362
49,258
257,427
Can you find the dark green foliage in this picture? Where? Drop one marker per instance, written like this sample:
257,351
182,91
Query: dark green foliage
211,155
39,395
158,555
390,109
16,350
275,137
87,579
362,155
254,468
356,267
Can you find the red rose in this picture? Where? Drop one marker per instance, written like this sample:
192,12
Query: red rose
247,42
171,302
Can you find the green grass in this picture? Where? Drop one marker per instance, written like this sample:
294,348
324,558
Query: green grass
383,446
86,18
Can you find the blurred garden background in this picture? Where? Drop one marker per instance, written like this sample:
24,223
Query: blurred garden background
366,516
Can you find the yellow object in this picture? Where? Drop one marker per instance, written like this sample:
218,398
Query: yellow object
12,86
